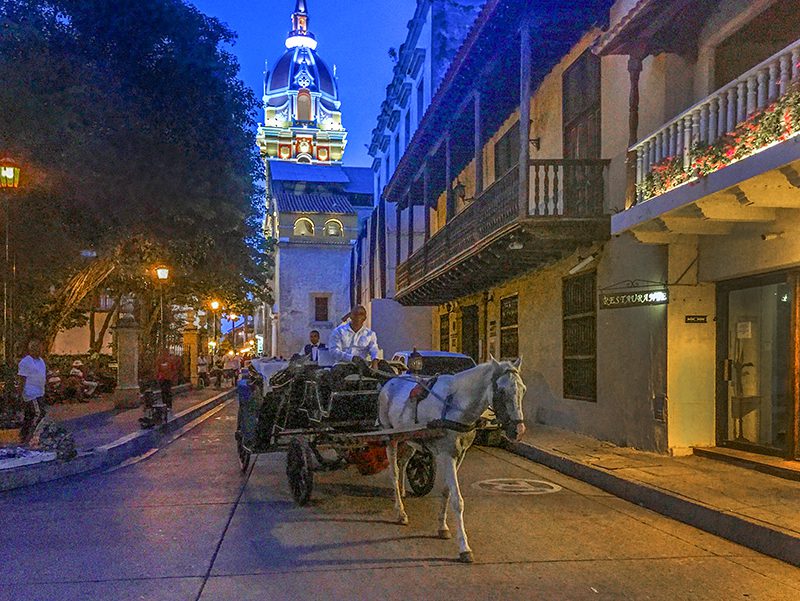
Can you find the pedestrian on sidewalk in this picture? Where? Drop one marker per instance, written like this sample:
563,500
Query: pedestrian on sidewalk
202,370
166,375
31,382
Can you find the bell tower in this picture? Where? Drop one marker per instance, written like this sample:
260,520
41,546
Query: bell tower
302,110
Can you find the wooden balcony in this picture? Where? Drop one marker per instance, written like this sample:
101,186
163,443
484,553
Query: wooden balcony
495,238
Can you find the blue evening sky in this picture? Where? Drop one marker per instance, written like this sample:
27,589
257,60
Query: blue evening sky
353,34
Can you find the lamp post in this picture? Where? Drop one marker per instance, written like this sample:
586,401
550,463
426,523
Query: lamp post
162,273
232,317
214,308
9,180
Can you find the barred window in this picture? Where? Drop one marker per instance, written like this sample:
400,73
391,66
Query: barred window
506,152
580,337
509,327
444,332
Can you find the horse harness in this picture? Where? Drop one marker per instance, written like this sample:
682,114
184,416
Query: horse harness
423,390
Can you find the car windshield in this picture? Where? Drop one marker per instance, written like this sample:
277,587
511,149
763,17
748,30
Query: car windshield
445,365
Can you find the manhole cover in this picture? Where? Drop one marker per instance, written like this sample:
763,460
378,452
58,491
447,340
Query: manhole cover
517,486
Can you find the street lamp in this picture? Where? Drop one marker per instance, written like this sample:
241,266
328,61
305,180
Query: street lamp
215,305
232,317
9,181
162,273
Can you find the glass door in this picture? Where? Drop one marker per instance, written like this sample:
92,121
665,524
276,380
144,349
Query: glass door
755,390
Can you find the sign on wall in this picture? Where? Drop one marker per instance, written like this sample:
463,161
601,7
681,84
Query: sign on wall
619,300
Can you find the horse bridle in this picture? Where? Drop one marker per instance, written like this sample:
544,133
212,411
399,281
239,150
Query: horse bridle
496,389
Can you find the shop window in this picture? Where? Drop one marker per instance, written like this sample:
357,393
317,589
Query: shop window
303,227
506,152
444,332
509,327
580,337
333,228
321,308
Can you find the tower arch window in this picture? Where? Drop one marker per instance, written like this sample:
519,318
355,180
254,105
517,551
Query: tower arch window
304,105
333,228
303,227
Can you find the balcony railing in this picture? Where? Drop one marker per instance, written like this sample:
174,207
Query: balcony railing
567,187
672,149
559,188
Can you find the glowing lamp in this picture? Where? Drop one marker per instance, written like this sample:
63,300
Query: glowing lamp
162,273
214,305
9,173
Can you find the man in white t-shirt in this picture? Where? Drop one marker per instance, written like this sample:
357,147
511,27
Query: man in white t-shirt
31,381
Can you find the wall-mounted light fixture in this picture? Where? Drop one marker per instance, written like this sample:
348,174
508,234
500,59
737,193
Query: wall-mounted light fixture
536,143
584,263
771,236
515,245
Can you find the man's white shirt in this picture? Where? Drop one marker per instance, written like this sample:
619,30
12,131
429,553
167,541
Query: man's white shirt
35,372
344,343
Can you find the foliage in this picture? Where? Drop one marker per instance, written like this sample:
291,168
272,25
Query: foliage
137,141
775,123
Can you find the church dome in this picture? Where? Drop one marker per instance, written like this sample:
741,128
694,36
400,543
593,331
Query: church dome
301,67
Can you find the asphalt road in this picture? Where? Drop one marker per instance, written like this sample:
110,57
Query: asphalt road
185,524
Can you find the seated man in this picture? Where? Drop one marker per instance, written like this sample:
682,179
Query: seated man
312,349
354,339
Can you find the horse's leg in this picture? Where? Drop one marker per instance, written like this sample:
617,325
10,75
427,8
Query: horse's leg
444,531
400,512
450,473
404,453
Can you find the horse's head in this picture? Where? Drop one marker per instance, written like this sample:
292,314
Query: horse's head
507,392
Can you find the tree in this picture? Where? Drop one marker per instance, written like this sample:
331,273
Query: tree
138,142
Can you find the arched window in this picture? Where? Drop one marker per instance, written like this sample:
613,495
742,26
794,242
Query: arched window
333,227
304,105
303,227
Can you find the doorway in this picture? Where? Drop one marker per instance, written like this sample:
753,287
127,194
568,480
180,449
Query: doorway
756,400
470,334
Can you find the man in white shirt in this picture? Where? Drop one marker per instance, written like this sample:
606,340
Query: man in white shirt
31,381
354,339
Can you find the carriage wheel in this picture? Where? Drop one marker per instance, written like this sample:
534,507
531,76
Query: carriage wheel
421,472
299,470
244,454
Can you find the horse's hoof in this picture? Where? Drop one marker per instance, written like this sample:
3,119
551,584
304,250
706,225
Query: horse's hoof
466,557
445,534
403,520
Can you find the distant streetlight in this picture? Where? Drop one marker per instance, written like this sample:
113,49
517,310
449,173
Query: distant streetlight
9,180
232,317
162,273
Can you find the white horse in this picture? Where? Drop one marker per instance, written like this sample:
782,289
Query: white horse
456,403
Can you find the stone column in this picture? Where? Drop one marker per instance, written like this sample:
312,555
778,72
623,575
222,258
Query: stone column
191,338
126,330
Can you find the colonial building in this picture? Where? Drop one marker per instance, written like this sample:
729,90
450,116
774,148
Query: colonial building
302,117
649,280
313,202
435,32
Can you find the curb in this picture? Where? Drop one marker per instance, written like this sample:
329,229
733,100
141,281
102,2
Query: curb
751,534
111,454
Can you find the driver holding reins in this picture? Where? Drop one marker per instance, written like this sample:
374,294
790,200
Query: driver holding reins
354,339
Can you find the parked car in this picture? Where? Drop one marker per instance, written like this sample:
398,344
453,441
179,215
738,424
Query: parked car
431,363
435,362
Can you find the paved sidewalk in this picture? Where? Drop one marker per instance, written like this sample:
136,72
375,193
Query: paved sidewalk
744,505
98,423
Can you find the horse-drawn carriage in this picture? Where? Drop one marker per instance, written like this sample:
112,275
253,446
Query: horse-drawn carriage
327,418
324,418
